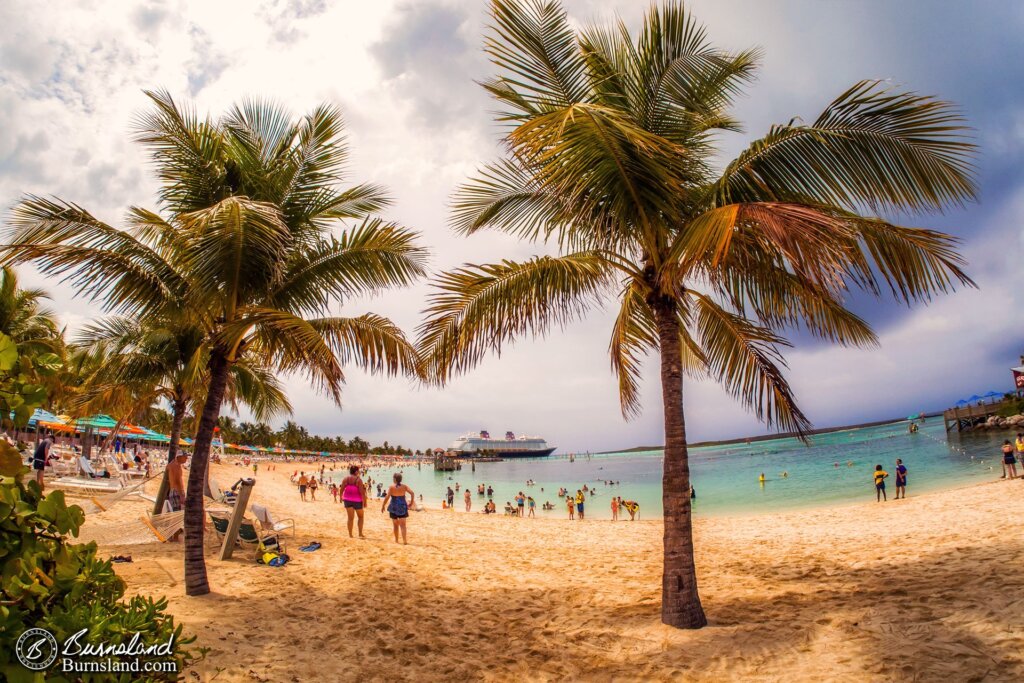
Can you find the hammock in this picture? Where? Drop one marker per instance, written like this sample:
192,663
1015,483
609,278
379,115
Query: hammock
104,503
165,525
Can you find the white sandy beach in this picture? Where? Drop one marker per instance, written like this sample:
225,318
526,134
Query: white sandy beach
930,588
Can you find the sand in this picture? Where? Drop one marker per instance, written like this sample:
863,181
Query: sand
930,588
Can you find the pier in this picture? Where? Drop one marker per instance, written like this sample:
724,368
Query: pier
968,417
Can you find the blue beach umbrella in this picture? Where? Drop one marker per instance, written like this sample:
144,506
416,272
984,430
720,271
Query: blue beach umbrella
962,402
974,399
993,394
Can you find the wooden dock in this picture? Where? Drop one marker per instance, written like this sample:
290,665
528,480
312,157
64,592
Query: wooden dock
970,417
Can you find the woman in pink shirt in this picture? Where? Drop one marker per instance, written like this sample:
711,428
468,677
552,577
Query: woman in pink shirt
353,495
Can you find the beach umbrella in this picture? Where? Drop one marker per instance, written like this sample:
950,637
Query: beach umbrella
974,399
993,394
40,415
962,402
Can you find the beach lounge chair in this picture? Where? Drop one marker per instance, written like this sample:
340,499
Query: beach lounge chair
220,525
249,536
267,521
226,496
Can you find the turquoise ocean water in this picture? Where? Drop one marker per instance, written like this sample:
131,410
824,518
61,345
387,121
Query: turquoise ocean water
726,477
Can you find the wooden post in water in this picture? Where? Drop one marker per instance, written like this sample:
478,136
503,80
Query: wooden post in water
236,518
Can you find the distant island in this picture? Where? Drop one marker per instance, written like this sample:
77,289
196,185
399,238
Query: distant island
769,437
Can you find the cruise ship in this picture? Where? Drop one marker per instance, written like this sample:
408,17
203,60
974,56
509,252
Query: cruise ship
511,446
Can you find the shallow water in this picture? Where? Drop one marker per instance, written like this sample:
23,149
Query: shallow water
726,477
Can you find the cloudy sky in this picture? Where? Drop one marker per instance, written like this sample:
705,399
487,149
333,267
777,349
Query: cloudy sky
72,76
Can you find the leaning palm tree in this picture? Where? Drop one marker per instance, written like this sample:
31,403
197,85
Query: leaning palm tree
609,147
245,248
165,360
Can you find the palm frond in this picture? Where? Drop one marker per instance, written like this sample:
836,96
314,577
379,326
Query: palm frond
188,154
102,263
873,147
744,358
370,341
367,259
532,44
633,336
236,248
477,309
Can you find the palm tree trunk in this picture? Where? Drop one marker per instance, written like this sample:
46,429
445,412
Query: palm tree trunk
178,413
195,564
680,603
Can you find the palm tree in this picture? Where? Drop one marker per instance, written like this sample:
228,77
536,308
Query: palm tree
23,318
244,248
609,151
166,359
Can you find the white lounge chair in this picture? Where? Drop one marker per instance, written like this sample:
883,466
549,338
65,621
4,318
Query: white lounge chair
267,521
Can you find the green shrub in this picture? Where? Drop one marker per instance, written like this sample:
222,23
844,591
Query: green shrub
63,587
1014,407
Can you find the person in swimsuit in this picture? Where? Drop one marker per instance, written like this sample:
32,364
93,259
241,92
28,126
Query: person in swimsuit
353,495
615,509
901,479
532,505
40,457
572,507
399,507
312,488
469,500
880,476
303,483
520,504
1009,461
579,502
632,507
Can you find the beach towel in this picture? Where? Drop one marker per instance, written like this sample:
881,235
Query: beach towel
310,547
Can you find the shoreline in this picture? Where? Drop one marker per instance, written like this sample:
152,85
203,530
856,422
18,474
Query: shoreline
768,437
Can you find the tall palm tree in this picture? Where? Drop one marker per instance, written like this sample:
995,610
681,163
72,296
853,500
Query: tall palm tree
166,359
244,247
609,153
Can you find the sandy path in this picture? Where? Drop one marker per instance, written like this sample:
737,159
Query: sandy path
924,589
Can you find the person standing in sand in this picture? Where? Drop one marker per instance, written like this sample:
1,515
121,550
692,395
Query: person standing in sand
176,482
312,488
632,507
469,500
571,505
532,505
1009,461
303,483
353,495
880,476
615,509
580,499
399,507
901,479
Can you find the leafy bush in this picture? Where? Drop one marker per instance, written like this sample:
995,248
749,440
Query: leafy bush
49,583
1015,407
